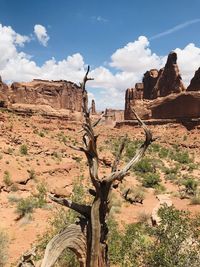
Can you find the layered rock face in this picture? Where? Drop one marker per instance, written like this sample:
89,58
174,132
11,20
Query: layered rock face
195,82
149,80
169,79
4,90
177,106
56,94
133,99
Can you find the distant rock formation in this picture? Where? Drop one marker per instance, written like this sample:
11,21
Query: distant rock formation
113,115
195,82
134,99
4,91
176,106
149,81
93,107
169,79
56,94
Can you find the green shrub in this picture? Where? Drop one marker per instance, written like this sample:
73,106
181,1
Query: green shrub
7,178
190,185
163,152
26,206
41,195
144,165
176,242
23,149
151,180
182,157
3,248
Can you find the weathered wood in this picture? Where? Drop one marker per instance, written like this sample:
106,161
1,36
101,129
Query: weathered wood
72,238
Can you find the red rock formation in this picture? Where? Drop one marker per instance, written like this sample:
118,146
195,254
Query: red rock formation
57,94
169,79
113,115
149,80
4,89
93,107
177,106
133,99
195,82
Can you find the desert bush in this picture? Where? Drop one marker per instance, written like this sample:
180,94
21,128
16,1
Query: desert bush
41,195
7,178
144,166
26,206
176,242
151,180
23,149
3,248
190,185
182,157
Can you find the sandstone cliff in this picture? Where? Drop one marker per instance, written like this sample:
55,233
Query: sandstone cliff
177,106
4,91
195,82
56,94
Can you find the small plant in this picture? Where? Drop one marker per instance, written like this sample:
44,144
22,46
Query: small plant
144,166
182,157
32,174
26,206
41,195
41,134
151,180
23,149
3,248
7,178
190,186
10,151
143,217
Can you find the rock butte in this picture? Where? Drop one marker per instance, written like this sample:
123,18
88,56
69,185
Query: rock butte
42,95
162,94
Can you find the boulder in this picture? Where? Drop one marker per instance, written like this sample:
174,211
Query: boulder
195,82
176,106
169,79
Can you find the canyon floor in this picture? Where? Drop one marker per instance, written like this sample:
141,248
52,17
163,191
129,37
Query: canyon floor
36,159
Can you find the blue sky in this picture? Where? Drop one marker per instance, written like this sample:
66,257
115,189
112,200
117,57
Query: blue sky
103,34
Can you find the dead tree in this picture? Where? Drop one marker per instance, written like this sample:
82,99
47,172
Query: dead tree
88,238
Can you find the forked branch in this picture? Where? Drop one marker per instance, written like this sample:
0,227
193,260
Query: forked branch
119,175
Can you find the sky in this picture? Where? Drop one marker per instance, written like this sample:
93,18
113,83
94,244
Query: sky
119,39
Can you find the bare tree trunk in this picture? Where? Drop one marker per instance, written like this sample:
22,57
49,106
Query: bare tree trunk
88,239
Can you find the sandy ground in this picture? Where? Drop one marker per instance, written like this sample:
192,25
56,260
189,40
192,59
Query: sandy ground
56,165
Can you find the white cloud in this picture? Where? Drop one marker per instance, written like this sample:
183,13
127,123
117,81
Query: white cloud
129,64
41,34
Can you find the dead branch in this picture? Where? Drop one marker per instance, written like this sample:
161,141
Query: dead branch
72,238
119,175
81,209
118,155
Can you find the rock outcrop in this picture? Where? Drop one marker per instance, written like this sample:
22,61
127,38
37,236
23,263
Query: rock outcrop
195,82
4,90
177,106
169,79
149,81
133,99
93,107
56,94
113,115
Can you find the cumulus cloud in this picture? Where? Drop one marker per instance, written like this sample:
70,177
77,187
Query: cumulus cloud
108,88
41,34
